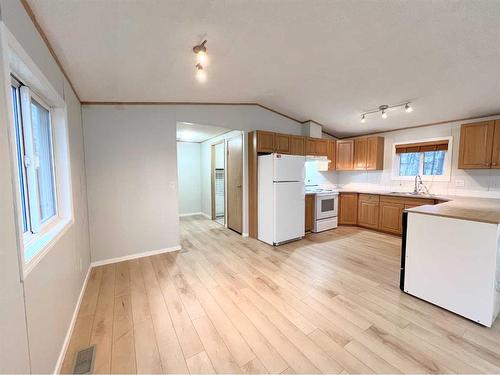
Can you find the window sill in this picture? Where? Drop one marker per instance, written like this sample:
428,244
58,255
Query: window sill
42,245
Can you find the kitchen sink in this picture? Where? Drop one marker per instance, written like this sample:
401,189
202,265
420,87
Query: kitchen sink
411,194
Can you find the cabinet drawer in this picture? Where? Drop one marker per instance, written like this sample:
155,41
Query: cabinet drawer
369,197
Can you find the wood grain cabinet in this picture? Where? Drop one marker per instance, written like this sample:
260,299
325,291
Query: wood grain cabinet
360,148
345,155
282,144
332,154
368,210
495,151
316,146
375,153
369,153
348,208
297,145
309,212
476,145
391,215
265,141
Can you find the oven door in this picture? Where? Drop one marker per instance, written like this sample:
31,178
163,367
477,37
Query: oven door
326,206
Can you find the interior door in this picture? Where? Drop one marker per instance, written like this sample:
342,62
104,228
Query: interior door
235,184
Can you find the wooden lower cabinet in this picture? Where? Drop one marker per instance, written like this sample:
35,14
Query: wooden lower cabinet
375,211
391,214
348,208
309,212
368,207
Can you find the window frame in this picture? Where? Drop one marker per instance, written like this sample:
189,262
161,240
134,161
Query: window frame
22,68
446,176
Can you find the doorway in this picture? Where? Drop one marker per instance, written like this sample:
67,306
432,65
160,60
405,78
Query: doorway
235,183
218,177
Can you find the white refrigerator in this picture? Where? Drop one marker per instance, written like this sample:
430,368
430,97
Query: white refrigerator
281,198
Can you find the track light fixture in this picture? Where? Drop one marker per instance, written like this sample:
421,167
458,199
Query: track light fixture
384,108
200,51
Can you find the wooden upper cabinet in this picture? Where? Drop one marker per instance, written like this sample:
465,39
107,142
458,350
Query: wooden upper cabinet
297,145
375,153
332,154
282,143
310,146
348,208
321,147
368,208
495,153
265,141
345,155
360,149
476,145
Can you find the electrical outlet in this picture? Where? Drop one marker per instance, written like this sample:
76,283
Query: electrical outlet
459,183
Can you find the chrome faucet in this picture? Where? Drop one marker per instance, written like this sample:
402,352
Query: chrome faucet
419,185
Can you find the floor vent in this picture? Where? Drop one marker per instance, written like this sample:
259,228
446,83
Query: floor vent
84,361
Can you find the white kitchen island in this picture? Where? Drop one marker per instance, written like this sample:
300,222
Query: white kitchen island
451,257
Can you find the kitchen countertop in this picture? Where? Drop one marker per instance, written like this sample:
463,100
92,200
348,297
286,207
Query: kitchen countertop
486,210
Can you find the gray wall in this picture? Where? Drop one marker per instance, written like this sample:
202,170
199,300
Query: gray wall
53,286
131,166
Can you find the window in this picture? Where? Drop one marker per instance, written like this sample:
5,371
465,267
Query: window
430,159
34,146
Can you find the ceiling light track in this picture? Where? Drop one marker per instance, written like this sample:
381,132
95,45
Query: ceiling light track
200,51
384,108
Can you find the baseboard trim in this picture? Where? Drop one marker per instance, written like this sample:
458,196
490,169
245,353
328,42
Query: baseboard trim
244,234
69,333
135,256
190,214
205,215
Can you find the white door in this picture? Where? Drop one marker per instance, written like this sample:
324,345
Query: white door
289,167
289,209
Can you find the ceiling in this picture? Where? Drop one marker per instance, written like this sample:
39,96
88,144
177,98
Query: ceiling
324,60
189,132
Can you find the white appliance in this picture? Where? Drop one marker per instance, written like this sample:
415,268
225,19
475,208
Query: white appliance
281,198
325,215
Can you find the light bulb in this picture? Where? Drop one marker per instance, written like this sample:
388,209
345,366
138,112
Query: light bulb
408,108
384,114
201,74
363,119
202,58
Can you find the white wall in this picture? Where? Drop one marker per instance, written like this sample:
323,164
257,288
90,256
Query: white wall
131,169
484,182
189,177
52,288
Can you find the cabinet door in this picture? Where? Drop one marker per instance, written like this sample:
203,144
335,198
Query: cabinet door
495,153
375,153
309,212
476,142
360,153
322,147
391,215
310,146
348,208
345,155
332,154
297,145
368,210
282,143
265,141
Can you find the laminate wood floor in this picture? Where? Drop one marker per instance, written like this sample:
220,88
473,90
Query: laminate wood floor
226,304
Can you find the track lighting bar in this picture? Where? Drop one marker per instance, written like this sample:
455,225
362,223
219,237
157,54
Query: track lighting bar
384,109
